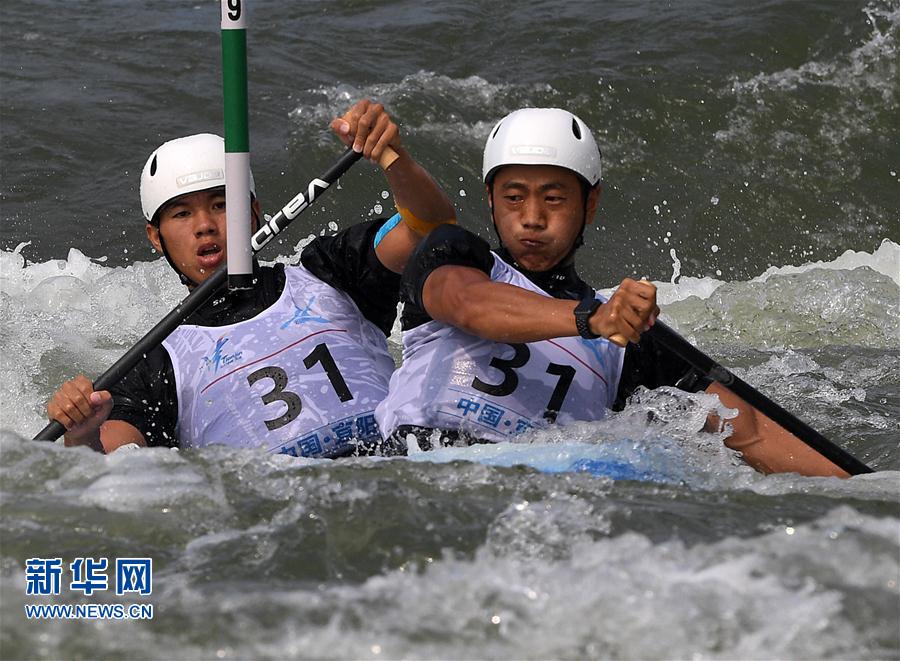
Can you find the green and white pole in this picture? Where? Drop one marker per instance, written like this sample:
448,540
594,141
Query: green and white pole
237,144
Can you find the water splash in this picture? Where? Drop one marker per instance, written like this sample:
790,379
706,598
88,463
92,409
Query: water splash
676,266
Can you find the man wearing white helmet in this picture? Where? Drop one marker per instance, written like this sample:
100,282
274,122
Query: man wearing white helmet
297,364
499,342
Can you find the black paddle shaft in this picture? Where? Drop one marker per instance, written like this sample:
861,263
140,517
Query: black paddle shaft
713,370
203,292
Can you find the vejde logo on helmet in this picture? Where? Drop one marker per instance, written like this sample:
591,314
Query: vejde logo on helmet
196,177
533,150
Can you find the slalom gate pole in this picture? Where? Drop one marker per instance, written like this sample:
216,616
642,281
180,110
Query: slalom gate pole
237,144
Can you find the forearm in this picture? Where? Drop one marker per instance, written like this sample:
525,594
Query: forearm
110,436
500,312
91,440
767,446
466,297
422,204
416,193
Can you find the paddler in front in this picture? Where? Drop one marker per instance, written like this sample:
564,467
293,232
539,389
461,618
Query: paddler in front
499,342
296,365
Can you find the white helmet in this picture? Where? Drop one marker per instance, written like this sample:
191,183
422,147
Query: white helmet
543,136
181,166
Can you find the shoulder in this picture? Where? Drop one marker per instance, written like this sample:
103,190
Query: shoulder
347,261
355,242
452,244
344,258
446,245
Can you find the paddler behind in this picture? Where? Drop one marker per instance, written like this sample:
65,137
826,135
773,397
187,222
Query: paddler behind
499,342
296,365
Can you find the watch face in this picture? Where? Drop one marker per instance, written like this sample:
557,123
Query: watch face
587,307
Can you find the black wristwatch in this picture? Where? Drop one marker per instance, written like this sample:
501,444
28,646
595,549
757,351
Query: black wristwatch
583,312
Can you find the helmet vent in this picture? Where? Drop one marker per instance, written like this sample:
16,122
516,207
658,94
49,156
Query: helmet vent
576,129
153,166
496,131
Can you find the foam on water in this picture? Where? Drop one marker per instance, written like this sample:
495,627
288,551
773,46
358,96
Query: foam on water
264,556
853,299
425,89
869,69
714,601
453,116
77,315
803,590
847,307
872,65
68,316
658,438
884,260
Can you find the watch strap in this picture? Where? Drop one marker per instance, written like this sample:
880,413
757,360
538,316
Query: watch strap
583,312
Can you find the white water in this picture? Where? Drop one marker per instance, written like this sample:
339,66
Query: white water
467,552
66,316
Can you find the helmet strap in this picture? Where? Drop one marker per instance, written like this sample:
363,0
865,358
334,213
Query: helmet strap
186,281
